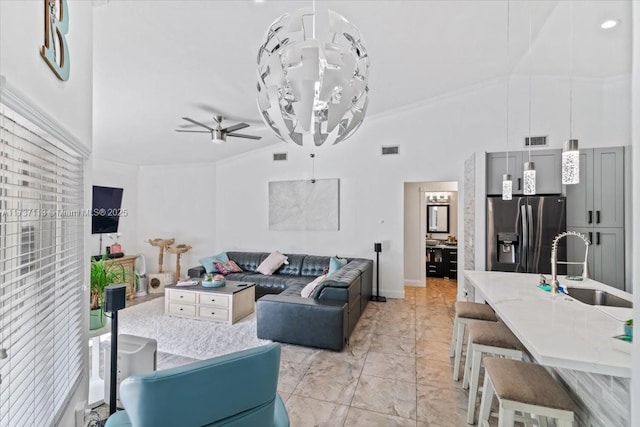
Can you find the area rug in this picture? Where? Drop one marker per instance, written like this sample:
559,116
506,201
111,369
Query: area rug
198,339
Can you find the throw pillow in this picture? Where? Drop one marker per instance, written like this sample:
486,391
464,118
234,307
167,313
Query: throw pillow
209,262
336,264
228,267
308,290
271,263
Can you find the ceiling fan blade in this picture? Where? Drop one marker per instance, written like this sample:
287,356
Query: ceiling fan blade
197,123
236,127
192,131
241,135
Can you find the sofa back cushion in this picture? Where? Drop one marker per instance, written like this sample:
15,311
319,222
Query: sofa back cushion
294,266
248,261
314,265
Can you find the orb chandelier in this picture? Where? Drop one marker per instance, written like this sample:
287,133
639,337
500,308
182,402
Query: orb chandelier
312,90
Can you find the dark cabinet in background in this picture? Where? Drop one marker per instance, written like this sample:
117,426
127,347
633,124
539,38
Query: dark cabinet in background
442,262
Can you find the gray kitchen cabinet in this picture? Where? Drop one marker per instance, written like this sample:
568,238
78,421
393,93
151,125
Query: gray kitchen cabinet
598,200
606,254
548,171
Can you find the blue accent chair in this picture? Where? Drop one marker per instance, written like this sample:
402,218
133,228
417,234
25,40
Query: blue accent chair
237,389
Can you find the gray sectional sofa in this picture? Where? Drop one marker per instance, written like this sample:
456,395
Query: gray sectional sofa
326,319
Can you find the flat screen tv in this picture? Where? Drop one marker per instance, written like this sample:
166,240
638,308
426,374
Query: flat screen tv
105,212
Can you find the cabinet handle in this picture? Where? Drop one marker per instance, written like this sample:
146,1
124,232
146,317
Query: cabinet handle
180,309
590,238
519,183
597,217
597,237
590,217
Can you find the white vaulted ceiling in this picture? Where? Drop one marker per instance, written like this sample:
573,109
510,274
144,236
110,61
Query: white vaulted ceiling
157,61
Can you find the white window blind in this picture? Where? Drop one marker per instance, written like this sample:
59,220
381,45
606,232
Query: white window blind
41,273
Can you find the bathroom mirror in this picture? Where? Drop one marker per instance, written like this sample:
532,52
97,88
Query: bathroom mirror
437,218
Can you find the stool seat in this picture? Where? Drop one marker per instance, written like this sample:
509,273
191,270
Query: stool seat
474,310
526,383
466,312
493,334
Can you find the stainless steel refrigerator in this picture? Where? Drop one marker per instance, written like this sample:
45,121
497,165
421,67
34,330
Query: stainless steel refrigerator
520,233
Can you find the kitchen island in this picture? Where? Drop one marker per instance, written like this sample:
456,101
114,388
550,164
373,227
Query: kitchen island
573,338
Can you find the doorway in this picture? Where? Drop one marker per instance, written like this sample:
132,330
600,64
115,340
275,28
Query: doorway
430,232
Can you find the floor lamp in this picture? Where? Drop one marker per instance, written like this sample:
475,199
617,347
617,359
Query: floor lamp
378,248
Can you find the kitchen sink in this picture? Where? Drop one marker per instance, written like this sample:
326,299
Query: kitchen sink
597,297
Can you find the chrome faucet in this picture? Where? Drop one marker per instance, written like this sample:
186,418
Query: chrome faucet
554,258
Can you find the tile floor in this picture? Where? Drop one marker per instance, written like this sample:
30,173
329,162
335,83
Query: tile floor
396,370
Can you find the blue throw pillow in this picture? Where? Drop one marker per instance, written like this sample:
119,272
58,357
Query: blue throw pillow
208,263
336,264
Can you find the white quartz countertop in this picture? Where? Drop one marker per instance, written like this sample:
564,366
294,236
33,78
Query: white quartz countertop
558,330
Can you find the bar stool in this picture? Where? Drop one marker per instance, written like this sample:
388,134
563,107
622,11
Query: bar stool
466,312
524,387
486,338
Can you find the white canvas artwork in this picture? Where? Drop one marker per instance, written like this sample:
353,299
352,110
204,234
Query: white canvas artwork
304,205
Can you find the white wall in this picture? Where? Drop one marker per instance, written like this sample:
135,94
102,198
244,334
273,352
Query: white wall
69,104
120,175
178,202
21,36
434,137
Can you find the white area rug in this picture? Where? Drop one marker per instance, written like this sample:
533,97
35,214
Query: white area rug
198,339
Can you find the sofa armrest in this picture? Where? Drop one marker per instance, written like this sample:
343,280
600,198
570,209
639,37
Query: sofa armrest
303,321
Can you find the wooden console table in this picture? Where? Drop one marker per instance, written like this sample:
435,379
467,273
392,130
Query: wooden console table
128,263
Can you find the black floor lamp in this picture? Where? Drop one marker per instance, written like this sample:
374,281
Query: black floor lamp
378,248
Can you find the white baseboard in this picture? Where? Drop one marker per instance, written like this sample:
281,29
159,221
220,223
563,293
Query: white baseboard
395,294
415,283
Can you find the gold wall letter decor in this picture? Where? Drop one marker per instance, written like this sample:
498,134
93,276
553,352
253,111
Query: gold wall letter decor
55,51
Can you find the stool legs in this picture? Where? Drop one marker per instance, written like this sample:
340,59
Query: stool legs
476,360
485,403
452,348
459,339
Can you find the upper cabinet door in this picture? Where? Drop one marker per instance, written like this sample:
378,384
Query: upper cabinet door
580,196
497,166
548,165
608,187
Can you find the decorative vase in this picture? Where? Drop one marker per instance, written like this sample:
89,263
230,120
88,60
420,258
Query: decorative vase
116,248
97,319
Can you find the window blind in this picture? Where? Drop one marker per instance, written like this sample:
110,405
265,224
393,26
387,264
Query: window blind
41,273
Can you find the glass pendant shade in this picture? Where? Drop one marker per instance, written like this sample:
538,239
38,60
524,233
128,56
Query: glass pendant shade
312,90
507,187
529,178
571,163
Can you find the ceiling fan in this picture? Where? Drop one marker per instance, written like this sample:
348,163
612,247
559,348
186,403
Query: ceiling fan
219,134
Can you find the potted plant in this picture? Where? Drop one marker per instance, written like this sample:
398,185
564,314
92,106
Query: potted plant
103,273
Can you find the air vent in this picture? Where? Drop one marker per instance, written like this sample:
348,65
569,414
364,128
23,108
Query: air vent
392,149
279,157
535,141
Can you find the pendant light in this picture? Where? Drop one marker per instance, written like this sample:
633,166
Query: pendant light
529,174
571,153
507,183
312,90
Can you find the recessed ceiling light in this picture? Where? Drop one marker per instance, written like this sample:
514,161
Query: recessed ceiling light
609,23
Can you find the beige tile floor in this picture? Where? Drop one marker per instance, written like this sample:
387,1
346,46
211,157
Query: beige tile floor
396,370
